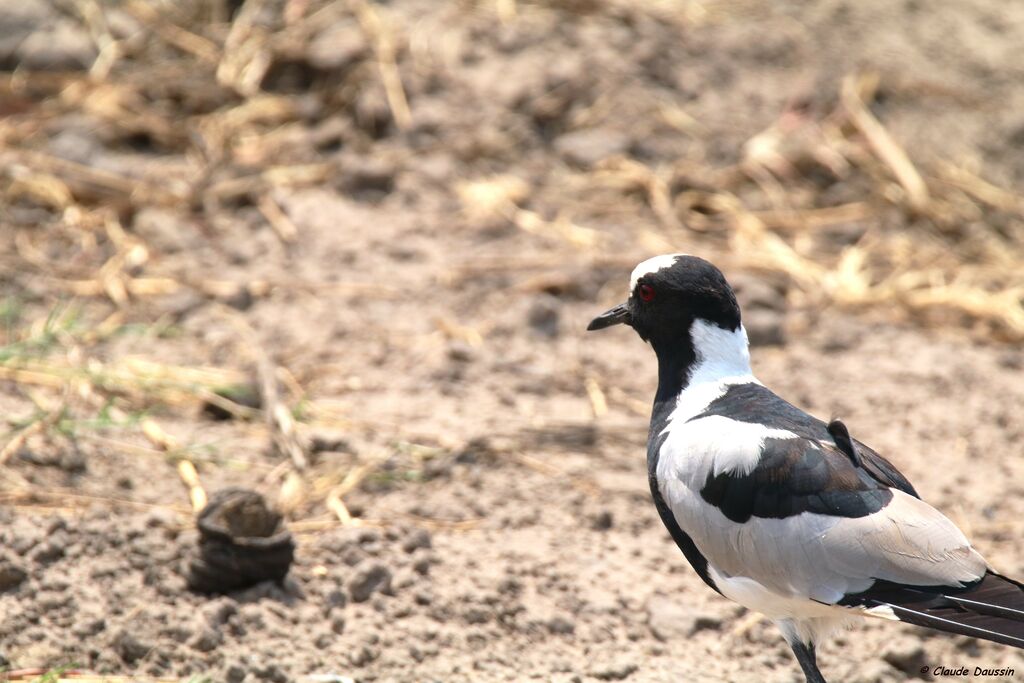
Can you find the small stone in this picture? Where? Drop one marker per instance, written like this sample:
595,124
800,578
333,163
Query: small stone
128,647
477,615
545,316
367,581
366,177
235,674
207,640
420,538
671,621
338,624
616,671
460,352
219,611
48,553
602,521
906,654
11,575
272,673
161,518
585,148
422,565
88,627
561,625
334,599
363,656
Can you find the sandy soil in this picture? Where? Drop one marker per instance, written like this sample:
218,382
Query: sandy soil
429,316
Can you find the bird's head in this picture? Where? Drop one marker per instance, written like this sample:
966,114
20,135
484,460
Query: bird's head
667,294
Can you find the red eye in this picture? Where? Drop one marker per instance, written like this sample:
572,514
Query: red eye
646,292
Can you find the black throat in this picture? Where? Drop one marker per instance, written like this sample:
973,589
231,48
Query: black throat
674,368
676,359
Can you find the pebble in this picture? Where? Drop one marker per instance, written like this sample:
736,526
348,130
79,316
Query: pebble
128,647
335,599
670,620
420,538
562,625
12,574
235,674
363,656
616,671
207,640
368,580
49,552
602,521
545,316
219,611
273,673
906,654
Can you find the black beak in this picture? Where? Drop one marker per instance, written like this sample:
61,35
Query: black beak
614,316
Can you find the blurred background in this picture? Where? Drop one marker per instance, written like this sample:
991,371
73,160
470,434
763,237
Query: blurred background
343,253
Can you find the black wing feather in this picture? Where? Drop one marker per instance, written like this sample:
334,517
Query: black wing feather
991,608
821,470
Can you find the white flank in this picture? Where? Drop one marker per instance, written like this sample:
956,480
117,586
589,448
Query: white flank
651,265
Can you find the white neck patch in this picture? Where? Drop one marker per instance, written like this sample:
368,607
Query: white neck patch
720,353
651,265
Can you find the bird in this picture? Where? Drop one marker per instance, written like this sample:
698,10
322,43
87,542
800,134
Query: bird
779,511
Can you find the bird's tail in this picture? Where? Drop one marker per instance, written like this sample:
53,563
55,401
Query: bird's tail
990,609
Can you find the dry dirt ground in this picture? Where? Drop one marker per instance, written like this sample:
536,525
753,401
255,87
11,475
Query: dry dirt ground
403,215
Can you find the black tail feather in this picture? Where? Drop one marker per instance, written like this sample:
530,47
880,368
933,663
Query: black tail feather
991,608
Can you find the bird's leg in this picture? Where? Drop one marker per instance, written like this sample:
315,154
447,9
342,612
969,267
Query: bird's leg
808,662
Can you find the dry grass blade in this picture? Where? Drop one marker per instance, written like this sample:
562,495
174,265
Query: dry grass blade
186,469
247,55
203,48
93,183
981,189
499,198
280,422
278,219
882,144
598,402
71,500
37,427
382,38
1006,306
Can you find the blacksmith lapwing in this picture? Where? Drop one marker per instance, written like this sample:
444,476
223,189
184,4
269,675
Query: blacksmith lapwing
779,511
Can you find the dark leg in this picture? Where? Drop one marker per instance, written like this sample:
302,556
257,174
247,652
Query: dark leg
808,662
